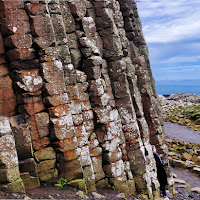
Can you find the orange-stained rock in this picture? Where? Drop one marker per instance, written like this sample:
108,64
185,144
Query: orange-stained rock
6,5
66,145
72,175
59,111
42,26
2,59
69,166
68,155
15,22
56,100
35,9
40,143
96,151
8,107
62,121
19,41
2,51
31,108
6,93
3,70
21,54
5,82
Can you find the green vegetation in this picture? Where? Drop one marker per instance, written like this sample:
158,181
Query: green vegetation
186,116
61,182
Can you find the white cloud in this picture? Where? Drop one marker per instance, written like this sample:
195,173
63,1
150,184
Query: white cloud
182,59
170,21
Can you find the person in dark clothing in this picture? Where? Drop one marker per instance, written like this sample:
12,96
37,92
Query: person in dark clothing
161,174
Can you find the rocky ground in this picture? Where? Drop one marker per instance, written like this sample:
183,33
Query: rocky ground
51,192
183,143
183,109
184,159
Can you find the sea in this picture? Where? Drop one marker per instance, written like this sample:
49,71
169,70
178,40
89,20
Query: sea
172,89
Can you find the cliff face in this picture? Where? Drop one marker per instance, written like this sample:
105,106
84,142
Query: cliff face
77,97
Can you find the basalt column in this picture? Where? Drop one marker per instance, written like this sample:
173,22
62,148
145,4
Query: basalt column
77,96
139,55
115,52
24,69
145,82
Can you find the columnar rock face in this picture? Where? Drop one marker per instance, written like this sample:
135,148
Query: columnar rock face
77,96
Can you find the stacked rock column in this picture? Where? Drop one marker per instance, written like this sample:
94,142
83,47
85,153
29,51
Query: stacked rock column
24,67
10,180
50,39
114,51
107,123
67,130
139,55
135,93
8,108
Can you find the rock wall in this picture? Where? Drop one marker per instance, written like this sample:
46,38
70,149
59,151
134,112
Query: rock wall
78,96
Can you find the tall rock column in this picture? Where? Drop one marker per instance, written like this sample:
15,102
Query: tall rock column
10,180
24,67
110,26
107,122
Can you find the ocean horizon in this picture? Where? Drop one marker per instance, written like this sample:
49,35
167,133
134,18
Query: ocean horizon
172,89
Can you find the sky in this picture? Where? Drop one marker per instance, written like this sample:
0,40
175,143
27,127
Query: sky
172,32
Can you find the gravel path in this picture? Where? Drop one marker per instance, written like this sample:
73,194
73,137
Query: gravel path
181,133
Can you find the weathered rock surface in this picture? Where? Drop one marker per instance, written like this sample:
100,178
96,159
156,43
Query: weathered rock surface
78,93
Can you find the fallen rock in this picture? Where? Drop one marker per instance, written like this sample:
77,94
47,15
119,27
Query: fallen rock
196,170
196,189
179,164
81,195
98,196
186,156
121,196
179,181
